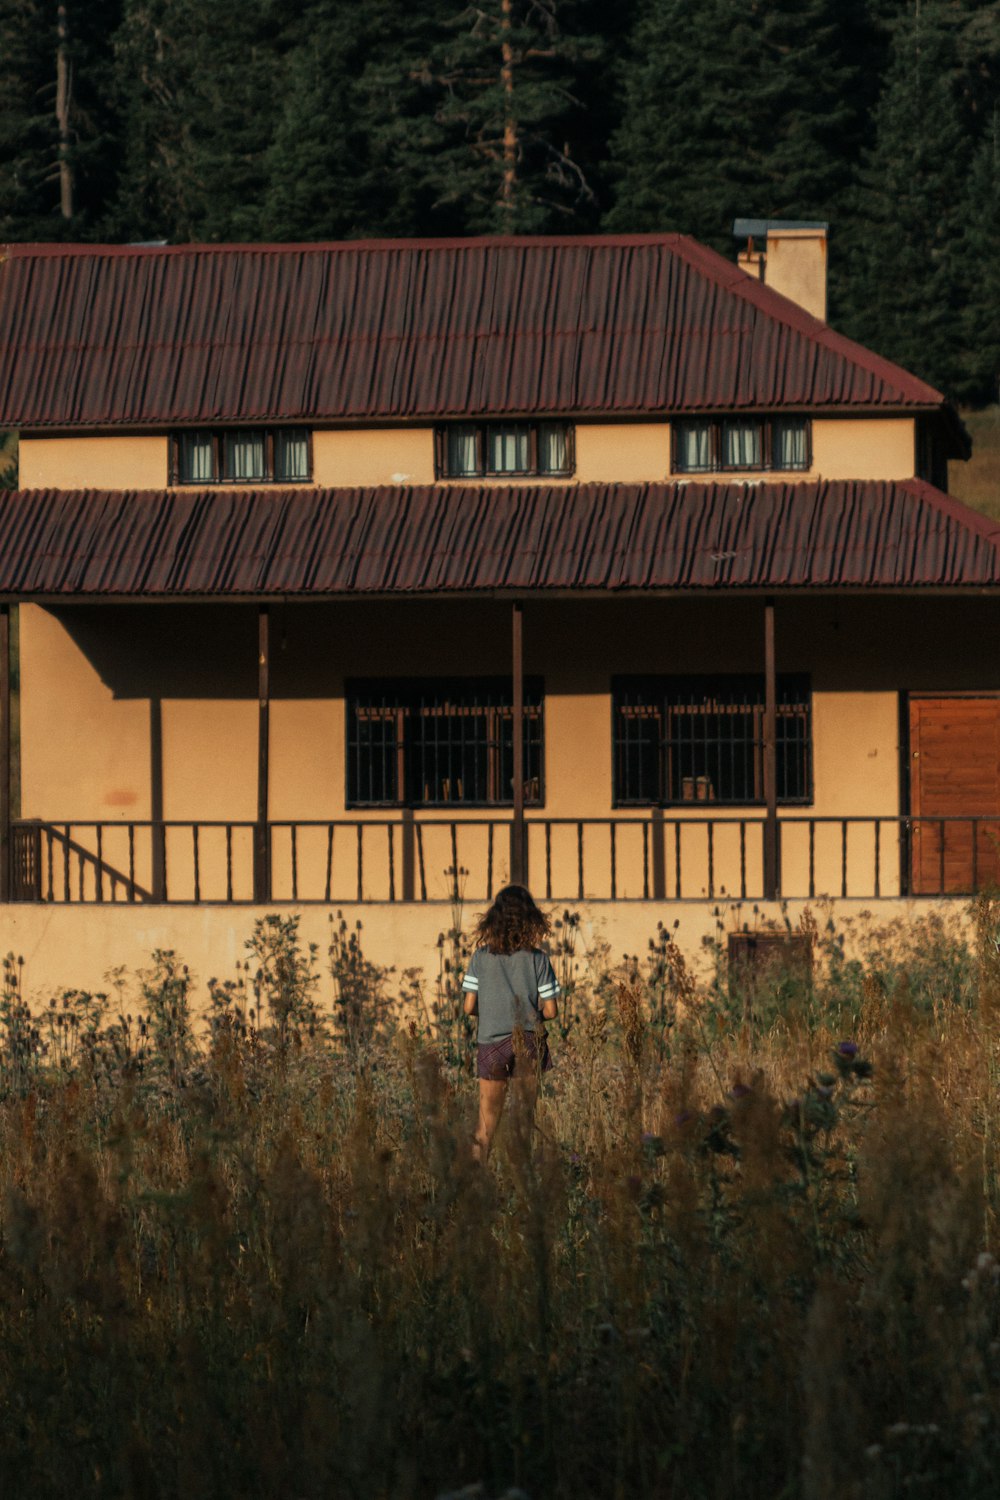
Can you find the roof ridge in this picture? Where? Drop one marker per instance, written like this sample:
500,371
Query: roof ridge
51,248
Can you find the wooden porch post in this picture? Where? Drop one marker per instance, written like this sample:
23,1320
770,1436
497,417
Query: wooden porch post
158,837
518,846
409,842
5,748
772,874
262,836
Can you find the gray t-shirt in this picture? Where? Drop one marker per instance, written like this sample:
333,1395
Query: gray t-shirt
511,988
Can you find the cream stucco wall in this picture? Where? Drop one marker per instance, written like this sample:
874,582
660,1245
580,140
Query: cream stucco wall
606,452
626,453
85,751
366,456
75,947
864,447
118,462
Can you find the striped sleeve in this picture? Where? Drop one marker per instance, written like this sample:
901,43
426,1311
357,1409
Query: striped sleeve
471,981
548,984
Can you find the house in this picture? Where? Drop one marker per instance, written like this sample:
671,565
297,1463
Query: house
364,575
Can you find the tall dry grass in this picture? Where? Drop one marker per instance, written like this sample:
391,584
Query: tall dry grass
743,1252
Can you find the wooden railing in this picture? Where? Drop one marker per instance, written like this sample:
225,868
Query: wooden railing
403,858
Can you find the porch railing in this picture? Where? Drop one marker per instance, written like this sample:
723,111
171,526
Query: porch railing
652,857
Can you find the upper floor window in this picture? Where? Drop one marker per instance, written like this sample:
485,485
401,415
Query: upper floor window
701,739
708,445
264,455
426,743
476,450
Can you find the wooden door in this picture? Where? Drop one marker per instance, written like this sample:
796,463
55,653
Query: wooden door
954,773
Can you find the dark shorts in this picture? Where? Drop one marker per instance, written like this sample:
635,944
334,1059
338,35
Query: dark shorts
496,1061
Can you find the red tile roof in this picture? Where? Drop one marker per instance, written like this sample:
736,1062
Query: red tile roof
98,336
459,540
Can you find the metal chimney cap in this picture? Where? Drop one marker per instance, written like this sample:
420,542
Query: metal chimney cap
757,229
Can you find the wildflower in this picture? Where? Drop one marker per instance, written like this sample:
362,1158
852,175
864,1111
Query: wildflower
847,1049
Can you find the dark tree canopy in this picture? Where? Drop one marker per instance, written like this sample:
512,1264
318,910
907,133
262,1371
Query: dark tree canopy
252,119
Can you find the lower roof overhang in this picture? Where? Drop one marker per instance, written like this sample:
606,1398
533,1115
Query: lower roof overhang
474,541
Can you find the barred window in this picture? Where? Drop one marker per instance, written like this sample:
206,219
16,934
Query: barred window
701,739
241,456
430,744
709,445
477,450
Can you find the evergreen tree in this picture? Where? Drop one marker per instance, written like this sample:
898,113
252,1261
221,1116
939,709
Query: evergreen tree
339,163
732,110
978,340
497,150
28,138
56,126
906,258
199,107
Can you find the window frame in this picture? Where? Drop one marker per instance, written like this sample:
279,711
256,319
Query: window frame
412,689
657,686
716,424
482,436
218,436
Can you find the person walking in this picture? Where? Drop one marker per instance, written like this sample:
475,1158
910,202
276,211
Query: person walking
512,988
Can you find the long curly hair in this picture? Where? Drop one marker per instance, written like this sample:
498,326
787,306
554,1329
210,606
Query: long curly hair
512,922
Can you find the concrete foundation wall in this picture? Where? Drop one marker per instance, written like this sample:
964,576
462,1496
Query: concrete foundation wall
75,947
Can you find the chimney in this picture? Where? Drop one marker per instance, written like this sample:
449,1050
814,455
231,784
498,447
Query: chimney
788,255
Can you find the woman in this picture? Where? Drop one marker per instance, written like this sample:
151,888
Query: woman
511,986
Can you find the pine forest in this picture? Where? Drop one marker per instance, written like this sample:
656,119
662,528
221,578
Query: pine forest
257,120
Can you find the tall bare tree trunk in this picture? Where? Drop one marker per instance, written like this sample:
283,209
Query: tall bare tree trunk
64,91
509,123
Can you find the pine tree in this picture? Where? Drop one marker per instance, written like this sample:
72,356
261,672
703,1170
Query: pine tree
978,344
906,258
734,110
497,150
28,139
56,126
338,165
199,107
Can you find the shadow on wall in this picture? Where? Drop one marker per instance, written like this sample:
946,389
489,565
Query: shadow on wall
860,643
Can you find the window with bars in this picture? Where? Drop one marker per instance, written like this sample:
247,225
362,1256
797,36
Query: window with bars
708,445
701,739
476,450
281,455
434,744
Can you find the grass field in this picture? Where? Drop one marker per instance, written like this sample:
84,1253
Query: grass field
747,1248
977,482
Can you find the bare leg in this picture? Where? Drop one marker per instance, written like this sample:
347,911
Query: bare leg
491,1098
